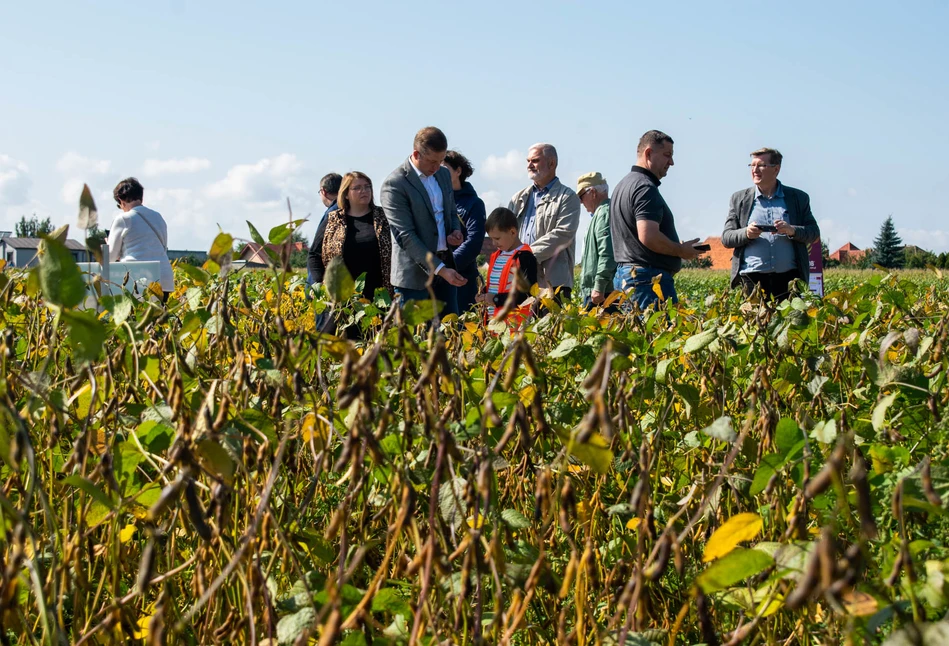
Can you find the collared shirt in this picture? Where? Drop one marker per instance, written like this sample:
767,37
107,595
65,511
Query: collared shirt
636,198
435,194
528,230
770,252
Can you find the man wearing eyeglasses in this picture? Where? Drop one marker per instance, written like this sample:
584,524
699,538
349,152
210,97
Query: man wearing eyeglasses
329,189
770,226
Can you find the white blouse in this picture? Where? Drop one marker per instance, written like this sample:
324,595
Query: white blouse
132,239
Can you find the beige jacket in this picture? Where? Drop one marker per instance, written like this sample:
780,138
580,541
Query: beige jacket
555,233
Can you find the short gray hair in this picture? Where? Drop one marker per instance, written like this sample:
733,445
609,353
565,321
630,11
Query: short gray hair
602,188
548,151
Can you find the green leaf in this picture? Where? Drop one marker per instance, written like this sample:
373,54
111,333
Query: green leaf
86,334
515,519
418,312
255,234
662,370
339,282
292,627
216,459
120,306
221,246
721,429
89,488
59,277
389,600
261,422
564,348
879,411
737,566
196,274
594,452
738,528
766,468
787,435
699,341
451,501
280,233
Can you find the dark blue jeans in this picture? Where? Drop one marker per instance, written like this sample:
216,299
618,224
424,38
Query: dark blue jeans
448,294
638,281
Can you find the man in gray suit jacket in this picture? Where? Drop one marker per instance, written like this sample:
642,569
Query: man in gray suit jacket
419,204
770,226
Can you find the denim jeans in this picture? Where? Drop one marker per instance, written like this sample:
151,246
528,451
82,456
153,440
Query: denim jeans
638,280
444,292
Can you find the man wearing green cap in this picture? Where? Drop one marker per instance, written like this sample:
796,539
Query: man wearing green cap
597,266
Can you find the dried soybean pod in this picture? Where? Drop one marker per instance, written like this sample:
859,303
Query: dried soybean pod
146,565
895,571
897,506
678,557
806,585
196,511
512,369
925,475
858,476
658,567
168,495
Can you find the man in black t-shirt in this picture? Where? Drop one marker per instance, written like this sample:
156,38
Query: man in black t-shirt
645,243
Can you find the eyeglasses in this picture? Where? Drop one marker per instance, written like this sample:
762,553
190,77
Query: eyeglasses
754,166
360,189
118,204
584,192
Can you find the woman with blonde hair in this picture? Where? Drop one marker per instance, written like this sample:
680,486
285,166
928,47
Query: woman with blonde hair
359,232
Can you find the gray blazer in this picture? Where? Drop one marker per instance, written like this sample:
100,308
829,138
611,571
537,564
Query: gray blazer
408,209
555,233
800,217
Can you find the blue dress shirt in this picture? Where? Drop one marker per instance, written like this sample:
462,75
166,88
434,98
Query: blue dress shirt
528,230
770,252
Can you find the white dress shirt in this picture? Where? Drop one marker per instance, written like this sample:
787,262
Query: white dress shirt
435,194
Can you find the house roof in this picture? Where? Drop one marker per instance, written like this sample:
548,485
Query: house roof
849,247
34,243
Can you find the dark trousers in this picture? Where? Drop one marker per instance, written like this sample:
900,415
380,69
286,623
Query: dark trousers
468,291
444,292
773,285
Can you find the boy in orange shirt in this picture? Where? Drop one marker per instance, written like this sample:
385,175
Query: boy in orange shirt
511,258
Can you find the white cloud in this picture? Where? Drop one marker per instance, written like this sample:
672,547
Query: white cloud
492,199
153,167
937,240
267,181
72,189
14,181
510,166
72,163
836,234
852,192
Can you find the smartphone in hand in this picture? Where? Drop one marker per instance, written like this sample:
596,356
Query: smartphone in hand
702,247
767,228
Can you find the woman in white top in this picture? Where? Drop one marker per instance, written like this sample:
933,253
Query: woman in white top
139,233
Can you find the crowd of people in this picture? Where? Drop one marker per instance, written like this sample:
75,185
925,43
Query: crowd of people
425,237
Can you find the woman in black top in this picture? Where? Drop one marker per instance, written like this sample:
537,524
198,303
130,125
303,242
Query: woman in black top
359,232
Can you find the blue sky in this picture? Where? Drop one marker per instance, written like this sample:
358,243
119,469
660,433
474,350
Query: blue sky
223,110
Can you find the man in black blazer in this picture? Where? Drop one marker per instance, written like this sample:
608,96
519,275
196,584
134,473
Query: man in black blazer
419,204
770,226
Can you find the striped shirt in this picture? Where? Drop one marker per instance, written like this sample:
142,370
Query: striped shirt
494,276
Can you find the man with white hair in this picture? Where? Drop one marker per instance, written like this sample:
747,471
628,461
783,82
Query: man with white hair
548,214
597,266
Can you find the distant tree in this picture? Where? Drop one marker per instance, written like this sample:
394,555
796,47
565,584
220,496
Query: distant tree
33,227
95,238
888,247
943,260
700,262
916,258
825,256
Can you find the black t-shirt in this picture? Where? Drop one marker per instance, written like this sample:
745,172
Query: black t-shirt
637,197
361,252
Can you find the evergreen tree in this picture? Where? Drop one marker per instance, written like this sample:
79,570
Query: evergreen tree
888,247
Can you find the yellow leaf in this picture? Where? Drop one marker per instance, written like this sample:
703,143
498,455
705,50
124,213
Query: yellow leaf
773,606
475,523
314,428
736,529
859,604
125,535
657,290
633,523
526,395
471,327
